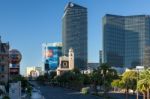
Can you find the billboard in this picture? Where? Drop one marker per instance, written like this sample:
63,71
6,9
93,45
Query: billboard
14,71
15,57
52,54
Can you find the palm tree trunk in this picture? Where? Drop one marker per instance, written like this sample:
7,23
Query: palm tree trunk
143,95
148,93
127,93
95,87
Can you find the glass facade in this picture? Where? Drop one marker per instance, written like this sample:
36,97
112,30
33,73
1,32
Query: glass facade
74,33
124,39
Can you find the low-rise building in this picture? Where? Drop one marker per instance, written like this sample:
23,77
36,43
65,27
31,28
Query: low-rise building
4,61
33,71
66,63
90,67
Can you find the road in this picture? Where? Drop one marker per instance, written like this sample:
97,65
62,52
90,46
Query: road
61,93
123,96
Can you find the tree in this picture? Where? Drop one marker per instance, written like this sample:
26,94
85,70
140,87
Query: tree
96,79
108,75
115,84
52,75
141,88
6,97
76,70
70,79
41,79
130,80
103,76
46,76
122,84
144,81
86,79
24,82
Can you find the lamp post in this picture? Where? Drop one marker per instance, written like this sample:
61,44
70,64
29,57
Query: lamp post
126,90
137,93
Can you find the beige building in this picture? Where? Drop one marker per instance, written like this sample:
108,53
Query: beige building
33,71
66,63
4,61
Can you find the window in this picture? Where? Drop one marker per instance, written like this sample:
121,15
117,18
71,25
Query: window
2,68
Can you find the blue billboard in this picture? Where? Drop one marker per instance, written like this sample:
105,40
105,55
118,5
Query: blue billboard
52,55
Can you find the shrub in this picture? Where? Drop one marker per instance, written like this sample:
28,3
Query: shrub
6,97
85,90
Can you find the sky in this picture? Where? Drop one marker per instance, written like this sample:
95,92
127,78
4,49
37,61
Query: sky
26,24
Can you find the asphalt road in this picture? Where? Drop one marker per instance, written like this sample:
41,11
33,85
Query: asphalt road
61,93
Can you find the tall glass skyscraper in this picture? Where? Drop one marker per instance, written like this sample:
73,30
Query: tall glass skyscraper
74,33
125,39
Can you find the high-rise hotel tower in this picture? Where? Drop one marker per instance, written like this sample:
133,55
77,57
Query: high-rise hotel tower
74,33
125,39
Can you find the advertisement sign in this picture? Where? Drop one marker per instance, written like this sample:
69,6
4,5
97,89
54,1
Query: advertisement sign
15,57
52,55
13,71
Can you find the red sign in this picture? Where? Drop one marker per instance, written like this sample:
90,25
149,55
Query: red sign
14,70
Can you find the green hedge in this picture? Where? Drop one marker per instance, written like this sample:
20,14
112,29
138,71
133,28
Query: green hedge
85,90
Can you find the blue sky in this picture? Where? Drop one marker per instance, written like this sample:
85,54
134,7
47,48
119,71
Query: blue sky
26,24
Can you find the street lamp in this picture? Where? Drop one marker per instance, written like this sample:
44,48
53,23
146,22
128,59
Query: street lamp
137,93
138,68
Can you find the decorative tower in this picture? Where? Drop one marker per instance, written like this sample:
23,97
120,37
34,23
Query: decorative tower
66,63
71,58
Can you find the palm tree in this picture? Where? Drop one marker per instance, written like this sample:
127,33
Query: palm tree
141,88
130,80
144,81
103,76
96,79
108,74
